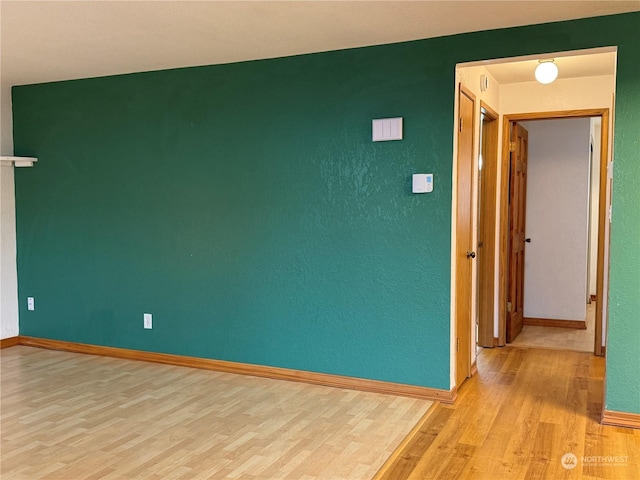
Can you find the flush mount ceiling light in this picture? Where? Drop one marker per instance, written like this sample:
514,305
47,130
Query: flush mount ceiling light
546,71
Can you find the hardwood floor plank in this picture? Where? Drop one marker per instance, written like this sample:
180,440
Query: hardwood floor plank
427,433
542,451
528,407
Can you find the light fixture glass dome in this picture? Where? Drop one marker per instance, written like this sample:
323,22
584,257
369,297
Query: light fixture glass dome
546,71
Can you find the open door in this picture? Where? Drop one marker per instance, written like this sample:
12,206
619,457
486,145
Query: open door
517,222
486,258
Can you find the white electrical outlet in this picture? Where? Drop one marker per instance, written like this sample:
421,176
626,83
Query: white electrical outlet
148,321
31,305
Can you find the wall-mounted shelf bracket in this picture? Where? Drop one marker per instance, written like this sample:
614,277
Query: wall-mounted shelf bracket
17,161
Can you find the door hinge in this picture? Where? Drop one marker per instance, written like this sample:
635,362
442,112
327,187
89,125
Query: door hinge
457,344
508,306
512,146
461,123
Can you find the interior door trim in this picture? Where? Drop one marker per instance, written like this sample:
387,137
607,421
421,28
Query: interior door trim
603,204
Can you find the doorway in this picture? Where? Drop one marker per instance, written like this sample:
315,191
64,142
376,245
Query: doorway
506,323
509,85
556,313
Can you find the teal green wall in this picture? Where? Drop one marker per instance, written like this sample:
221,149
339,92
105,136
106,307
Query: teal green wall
246,207
623,342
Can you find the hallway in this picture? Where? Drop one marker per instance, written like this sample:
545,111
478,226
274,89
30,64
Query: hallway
516,418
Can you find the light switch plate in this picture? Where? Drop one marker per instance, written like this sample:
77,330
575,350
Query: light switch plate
384,129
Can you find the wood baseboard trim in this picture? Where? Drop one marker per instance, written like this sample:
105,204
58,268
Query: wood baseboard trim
9,342
550,322
621,419
474,369
403,445
541,347
277,373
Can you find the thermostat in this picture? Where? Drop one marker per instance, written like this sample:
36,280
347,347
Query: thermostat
422,182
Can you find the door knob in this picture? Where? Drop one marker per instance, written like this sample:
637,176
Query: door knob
471,254
528,240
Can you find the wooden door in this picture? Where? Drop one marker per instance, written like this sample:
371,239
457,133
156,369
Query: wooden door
464,249
486,253
517,222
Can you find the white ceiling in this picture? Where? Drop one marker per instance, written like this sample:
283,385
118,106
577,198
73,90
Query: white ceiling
56,40
588,63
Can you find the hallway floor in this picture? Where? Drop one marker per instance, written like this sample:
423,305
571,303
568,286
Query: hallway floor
528,413
561,338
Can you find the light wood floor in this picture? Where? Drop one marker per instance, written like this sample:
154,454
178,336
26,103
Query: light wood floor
562,338
516,418
80,417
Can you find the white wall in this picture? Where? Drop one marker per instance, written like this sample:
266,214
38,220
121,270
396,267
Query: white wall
470,79
8,275
8,271
557,219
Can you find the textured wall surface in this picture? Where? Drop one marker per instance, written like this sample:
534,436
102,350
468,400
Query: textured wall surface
245,206
623,334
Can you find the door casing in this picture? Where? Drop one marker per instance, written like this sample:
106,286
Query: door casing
603,208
